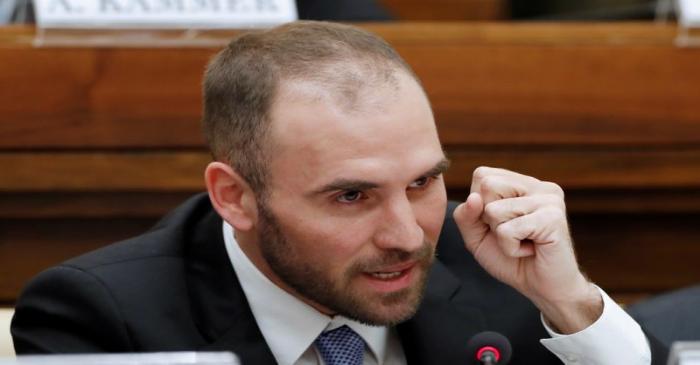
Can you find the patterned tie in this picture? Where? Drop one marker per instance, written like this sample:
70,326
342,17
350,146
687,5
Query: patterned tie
341,346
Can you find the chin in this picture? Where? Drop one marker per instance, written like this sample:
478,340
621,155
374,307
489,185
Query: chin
387,309
394,316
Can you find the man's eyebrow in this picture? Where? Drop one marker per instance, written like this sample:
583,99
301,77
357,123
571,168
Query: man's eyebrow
438,169
362,185
345,185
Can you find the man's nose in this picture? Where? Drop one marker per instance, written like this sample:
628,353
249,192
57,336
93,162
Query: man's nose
398,228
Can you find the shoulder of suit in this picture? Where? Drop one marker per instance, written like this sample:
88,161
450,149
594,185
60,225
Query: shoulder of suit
165,240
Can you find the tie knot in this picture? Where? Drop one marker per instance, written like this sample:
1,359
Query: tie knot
341,346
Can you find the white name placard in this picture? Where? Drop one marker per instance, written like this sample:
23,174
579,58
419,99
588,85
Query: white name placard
689,13
178,14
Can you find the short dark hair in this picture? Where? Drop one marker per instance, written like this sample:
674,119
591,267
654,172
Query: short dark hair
241,81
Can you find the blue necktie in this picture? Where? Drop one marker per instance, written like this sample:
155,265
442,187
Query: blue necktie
341,346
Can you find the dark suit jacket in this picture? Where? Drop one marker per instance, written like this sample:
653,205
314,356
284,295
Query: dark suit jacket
671,316
173,289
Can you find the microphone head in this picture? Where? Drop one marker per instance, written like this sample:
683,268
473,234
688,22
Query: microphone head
489,341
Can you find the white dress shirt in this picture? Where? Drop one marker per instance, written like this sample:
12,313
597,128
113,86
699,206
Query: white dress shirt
291,326
615,338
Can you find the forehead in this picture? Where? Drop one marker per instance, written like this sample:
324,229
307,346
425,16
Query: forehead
317,135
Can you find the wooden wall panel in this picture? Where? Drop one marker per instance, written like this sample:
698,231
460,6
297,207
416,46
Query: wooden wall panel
89,204
490,84
101,171
183,170
84,98
638,253
98,142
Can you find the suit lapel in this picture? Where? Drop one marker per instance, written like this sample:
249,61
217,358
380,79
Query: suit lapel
445,321
219,305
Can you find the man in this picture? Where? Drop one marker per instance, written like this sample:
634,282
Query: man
319,235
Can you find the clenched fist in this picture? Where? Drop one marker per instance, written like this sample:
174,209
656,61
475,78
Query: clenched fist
516,228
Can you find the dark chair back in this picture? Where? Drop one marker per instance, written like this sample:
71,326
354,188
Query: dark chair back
671,317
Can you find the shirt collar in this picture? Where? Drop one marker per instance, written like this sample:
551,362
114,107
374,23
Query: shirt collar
289,325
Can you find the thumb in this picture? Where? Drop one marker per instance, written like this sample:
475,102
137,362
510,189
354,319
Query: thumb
468,218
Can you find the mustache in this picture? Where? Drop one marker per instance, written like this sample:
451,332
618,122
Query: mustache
423,256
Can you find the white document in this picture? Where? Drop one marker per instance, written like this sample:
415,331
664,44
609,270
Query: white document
684,353
689,13
166,14
154,358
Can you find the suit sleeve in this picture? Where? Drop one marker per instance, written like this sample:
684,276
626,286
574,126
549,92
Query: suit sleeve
68,310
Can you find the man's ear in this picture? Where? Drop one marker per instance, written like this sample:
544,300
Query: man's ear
231,196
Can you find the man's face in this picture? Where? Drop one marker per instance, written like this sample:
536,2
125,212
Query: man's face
356,199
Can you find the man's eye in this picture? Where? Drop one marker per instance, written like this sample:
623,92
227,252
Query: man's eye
350,197
423,181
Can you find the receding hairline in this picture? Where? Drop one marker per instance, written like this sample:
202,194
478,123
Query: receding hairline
243,82
343,83
378,100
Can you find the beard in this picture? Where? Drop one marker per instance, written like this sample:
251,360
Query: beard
314,281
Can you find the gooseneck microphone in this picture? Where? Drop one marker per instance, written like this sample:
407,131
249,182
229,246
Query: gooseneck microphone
489,348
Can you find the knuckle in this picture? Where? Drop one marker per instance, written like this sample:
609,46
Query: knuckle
553,214
487,183
527,226
480,173
504,230
554,200
516,210
553,188
491,184
490,209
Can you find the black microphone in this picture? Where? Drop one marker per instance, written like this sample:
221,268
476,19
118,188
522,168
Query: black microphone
489,348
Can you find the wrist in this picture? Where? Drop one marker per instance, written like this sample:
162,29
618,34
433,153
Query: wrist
574,311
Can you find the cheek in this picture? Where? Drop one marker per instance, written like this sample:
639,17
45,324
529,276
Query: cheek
430,214
326,231
315,224
331,242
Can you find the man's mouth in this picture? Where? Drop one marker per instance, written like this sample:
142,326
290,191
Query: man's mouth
392,278
386,275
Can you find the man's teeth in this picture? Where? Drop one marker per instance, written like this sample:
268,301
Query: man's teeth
386,275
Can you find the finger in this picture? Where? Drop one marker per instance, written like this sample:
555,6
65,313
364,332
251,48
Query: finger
531,184
500,211
518,237
468,218
551,188
497,187
483,171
